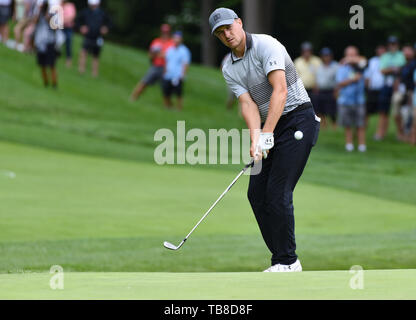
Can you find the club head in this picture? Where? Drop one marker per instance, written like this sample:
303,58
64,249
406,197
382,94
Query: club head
169,246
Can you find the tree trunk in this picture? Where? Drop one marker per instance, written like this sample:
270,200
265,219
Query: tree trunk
257,17
208,41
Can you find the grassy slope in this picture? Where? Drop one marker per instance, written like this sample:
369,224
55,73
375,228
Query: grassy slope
378,284
90,214
95,117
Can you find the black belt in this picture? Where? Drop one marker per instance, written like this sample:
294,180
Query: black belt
301,107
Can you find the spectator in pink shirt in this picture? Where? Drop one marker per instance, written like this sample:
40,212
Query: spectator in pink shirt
70,13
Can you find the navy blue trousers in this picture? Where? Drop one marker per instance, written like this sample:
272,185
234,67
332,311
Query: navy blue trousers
271,191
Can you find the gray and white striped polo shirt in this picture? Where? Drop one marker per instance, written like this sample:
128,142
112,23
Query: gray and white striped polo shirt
263,54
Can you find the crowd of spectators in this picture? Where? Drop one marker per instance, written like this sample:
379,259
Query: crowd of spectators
346,93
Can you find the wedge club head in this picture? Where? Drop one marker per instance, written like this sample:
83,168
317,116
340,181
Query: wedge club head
170,246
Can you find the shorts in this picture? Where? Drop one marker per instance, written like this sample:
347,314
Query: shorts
153,75
414,98
169,88
326,103
93,46
47,58
398,99
5,14
351,116
385,99
373,99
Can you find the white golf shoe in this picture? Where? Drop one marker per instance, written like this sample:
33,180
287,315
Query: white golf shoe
294,267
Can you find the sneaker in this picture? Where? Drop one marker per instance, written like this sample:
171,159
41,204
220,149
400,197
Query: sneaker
20,47
377,138
349,147
362,148
294,267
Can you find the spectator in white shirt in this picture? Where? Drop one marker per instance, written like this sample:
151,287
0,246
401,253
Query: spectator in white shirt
374,81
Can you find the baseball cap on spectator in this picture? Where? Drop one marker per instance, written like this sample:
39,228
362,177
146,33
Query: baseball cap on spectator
93,2
52,3
326,52
392,39
221,17
178,34
306,46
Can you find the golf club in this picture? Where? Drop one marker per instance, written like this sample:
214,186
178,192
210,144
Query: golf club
171,246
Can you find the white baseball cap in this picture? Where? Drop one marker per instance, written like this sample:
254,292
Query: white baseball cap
93,2
54,3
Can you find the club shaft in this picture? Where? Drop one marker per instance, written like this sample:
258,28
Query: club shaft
218,200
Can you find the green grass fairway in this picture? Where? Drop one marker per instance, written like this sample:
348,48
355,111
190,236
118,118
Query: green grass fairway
92,214
377,284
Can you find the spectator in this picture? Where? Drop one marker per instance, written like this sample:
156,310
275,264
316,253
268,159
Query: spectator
70,12
374,81
326,82
93,24
306,66
413,131
19,10
390,64
23,23
45,45
178,59
5,15
29,30
18,17
351,109
157,52
403,88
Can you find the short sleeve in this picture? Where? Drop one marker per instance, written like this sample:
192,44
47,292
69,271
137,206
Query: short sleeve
272,54
187,56
340,74
152,44
383,62
234,86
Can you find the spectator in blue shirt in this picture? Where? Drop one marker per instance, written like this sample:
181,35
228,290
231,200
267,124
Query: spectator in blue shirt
178,59
351,99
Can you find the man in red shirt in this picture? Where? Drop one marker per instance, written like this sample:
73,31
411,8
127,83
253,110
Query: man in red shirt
157,51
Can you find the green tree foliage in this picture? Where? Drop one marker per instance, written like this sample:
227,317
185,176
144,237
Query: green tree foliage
323,22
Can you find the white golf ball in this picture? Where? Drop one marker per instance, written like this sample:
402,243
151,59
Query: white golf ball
298,135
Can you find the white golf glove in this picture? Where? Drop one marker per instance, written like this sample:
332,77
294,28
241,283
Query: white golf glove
266,142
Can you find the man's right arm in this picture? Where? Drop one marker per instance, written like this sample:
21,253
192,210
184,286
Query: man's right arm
249,109
251,115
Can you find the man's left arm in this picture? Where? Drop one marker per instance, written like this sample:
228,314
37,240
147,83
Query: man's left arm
277,79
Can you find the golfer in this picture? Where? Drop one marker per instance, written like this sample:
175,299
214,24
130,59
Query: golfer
275,105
